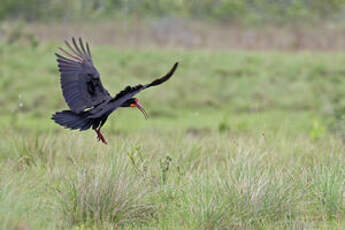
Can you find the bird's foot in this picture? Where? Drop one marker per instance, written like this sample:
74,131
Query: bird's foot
100,137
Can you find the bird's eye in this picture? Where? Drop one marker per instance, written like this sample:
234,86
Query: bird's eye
89,74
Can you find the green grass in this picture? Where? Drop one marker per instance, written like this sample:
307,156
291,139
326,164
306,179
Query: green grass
236,140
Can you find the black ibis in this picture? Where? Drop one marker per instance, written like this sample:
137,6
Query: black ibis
89,102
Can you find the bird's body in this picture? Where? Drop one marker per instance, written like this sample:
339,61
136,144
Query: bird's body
89,101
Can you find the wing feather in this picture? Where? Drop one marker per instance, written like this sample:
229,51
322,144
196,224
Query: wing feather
164,78
88,49
74,58
80,82
128,93
76,46
82,46
71,48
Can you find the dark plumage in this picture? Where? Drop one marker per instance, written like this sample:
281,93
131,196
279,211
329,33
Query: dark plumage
89,101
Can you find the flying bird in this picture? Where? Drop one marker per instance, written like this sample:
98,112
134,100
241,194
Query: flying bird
89,102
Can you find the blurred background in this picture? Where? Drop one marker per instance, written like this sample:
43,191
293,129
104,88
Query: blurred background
263,59
249,133
248,24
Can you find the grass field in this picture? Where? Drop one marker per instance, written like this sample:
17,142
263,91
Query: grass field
236,140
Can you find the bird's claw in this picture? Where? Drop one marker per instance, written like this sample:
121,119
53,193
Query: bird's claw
100,137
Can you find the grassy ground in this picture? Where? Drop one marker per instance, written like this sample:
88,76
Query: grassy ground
236,140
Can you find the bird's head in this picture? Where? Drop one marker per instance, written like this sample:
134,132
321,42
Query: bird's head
134,102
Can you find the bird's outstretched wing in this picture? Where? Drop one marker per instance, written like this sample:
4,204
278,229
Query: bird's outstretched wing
80,82
129,92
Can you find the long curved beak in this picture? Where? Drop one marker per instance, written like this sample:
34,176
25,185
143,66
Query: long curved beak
141,108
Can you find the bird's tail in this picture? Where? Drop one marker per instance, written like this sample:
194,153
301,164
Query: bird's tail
71,120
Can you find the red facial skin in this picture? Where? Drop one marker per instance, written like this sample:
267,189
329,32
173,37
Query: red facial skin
140,107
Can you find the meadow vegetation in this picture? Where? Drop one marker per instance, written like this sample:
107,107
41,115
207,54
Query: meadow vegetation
245,11
236,140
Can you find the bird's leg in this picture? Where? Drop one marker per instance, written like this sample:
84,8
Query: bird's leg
100,137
